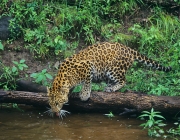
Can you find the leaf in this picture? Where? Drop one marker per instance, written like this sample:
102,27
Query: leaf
143,124
146,112
161,131
1,46
159,116
158,121
34,75
157,135
24,65
162,124
22,61
176,123
56,40
150,123
156,112
39,78
44,70
143,115
15,62
48,76
14,69
152,110
45,83
157,127
20,67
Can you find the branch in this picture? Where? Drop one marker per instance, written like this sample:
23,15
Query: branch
99,101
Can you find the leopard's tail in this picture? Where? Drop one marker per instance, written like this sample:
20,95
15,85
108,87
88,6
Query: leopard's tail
149,62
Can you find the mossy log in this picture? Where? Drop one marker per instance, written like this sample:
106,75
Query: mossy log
99,101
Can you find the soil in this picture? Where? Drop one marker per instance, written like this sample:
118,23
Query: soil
16,51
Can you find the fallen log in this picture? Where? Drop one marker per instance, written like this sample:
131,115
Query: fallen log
99,101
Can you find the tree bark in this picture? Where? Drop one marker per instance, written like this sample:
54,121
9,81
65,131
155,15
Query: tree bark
99,101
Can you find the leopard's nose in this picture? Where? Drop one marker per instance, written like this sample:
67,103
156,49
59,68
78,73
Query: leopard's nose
57,114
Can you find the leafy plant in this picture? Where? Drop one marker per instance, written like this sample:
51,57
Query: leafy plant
10,74
158,39
19,66
41,77
159,89
153,125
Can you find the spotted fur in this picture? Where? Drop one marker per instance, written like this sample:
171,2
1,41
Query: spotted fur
104,61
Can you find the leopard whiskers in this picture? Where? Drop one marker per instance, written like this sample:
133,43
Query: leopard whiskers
49,112
63,113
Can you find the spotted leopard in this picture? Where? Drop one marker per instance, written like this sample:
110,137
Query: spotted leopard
103,61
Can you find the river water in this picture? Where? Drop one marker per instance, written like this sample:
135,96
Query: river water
35,125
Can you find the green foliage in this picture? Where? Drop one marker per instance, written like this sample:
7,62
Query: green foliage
19,66
175,131
110,115
48,25
1,46
153,125
57,27
159,41
77,88
12,105
15,106
42,77
45,40
161,36
10,74
98,86
177,1
94,87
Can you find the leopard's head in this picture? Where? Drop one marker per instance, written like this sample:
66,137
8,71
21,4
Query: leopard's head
57,98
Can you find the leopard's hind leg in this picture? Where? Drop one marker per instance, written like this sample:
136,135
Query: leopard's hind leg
116,74
119,83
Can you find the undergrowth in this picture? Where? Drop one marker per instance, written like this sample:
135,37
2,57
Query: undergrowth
10,75
154,124
58,27
159,41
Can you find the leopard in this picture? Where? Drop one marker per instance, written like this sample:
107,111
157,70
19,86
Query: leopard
104,61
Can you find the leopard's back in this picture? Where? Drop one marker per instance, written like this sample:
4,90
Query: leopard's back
104,61
106,54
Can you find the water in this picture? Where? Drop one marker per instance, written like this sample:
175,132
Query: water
34,125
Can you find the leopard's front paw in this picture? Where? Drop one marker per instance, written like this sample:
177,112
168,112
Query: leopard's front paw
84,96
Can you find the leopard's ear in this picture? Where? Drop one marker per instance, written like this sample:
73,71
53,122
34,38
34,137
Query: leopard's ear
48,90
